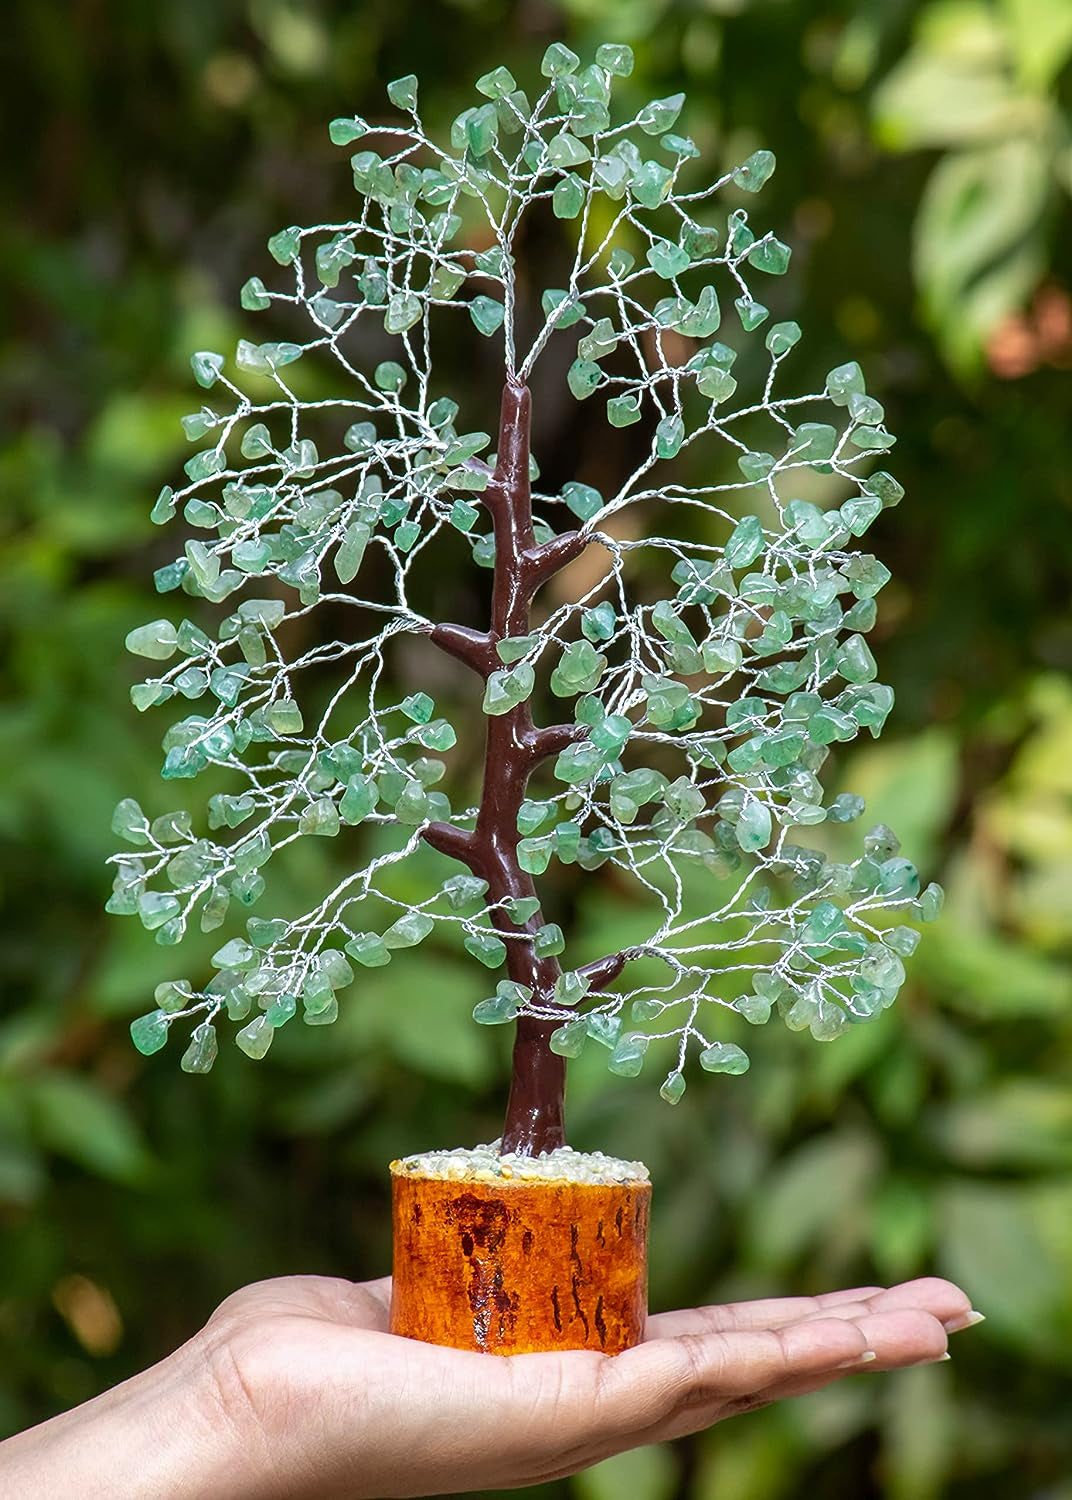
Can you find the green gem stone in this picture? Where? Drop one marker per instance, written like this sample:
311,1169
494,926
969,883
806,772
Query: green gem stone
173,995
582,499
568,1040
285,717
753,173
155,908
603,1028
505,690
770,255
673,1088
724,1057
149,1033
402,92
616,57
437,736
201,1053
599,624
623,411
254,296
418,707
464,891
325,1017
669,436
403,310
255,1039
659,115
650,183
487,315
158,640
559,60
565,150
881,843
754,826
343,132
756,1009
408,931
534,855
130,823
548,940
351,551
513,647
567,199
497,84
490,950
745,543
627,1055
667,259
320,818
855,662
463,515
282,1009
782,337
283,247
844,382
814,441
858,514
582,377
612,175
358,800
369,949
751,314
496,1010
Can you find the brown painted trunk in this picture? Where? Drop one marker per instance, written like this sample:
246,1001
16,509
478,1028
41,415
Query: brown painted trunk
518,1267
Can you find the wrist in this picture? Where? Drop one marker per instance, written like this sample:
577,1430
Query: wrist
168,1432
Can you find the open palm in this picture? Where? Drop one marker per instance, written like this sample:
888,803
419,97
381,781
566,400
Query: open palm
324,1399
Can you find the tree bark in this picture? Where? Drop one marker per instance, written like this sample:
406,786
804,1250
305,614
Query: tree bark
514,746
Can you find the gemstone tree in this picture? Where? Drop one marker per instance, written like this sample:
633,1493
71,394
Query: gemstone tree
689,728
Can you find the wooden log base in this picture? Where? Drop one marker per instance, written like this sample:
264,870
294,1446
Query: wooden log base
520,1267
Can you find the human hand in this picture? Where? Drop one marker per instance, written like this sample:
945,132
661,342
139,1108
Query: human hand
295,1390
325,1404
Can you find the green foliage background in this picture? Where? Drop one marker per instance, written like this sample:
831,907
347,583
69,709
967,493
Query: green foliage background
924,168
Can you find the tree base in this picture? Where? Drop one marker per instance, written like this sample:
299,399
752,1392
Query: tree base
515,1261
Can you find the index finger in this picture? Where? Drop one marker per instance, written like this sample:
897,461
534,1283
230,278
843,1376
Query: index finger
741,1317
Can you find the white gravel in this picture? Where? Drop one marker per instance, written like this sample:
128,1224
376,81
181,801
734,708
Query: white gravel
485,1164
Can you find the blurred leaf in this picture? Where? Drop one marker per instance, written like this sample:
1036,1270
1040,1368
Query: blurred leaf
644,1474
79,1120
1041,35
910,785
987,975
901,1229
420,1012
1018,1123
806,1197
978,247
920,1433
22,1174
760,1459
991,1245
953,87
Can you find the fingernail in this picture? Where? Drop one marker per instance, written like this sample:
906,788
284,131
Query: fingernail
860,1359
966,1320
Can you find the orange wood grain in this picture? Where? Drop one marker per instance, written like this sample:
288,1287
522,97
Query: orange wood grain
519,1267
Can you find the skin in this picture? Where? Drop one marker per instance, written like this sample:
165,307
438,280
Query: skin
295,1390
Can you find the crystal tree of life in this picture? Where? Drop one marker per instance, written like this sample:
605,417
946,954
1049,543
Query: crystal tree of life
669,718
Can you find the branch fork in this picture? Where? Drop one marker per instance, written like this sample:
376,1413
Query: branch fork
514,746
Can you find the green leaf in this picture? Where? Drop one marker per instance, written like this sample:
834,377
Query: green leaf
78,1120
990,1235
